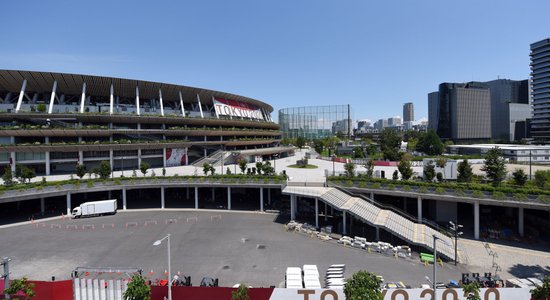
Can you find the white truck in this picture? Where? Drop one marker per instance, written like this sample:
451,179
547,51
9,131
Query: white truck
95,208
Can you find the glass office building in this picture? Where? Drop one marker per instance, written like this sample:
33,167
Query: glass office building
314,122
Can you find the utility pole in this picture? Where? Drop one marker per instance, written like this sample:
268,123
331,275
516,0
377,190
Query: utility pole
6,275
455,227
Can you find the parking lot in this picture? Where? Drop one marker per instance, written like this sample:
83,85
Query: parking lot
232,246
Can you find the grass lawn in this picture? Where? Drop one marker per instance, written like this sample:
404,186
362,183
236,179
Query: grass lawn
308,166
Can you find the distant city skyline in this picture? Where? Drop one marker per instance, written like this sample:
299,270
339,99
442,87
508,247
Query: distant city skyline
375,56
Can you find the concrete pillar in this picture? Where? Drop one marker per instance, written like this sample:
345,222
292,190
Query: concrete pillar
344,230
269,197
262,199
47,159
213,194
419,208
196,198
228,198
316,212
139,157
204,152
162,197
520,221
111,159
372,196
164,157
377,233
187,192
405,204
13,162
292,207
68,203
124,198
81,157
476,220
42,206
109,194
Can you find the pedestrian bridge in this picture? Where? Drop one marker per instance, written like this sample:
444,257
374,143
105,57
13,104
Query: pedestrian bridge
412,232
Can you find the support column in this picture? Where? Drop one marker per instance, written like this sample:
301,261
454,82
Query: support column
200,106
68,203
520,221
21,95
187,192
137,101
344,230
12,161
83,98
196,198
47,158
52,98
42,206
111,159
316,213
419,208
81,157
269,197
326,211
377,233
164,157
292,207
139,157
111,100
228,198
476,220
162,206
262,199
213,194
124,198
161,104
181,104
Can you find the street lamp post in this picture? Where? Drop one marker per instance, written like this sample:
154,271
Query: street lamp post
275,162
455,229
434,283
156,243
333,164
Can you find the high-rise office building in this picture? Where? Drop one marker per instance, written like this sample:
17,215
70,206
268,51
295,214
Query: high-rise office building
433,110
464,111
408,112
540,90
394,121
509,104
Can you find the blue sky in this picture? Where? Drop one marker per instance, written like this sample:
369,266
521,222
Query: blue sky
374,55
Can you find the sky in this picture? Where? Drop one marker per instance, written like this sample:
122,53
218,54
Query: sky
373,55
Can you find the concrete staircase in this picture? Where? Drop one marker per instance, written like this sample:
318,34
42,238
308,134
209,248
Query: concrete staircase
403,227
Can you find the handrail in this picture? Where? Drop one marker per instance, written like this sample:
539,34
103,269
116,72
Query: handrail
396,210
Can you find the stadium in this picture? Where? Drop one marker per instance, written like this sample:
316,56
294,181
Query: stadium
53,121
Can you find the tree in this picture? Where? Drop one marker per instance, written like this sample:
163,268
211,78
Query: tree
137,289
241,293
429,171
471,291
465,173
543,292
20,285
395,175
520,178
430,143
439,176
542,178
242,165
41,107
163,171
206,168
143,167
494,167
390,142
7,177
411,144
228,171
24,173
358,152
349,169
372,149
259,167
370,168
104,170
405,169
267,169
300,142
363,285
80,170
